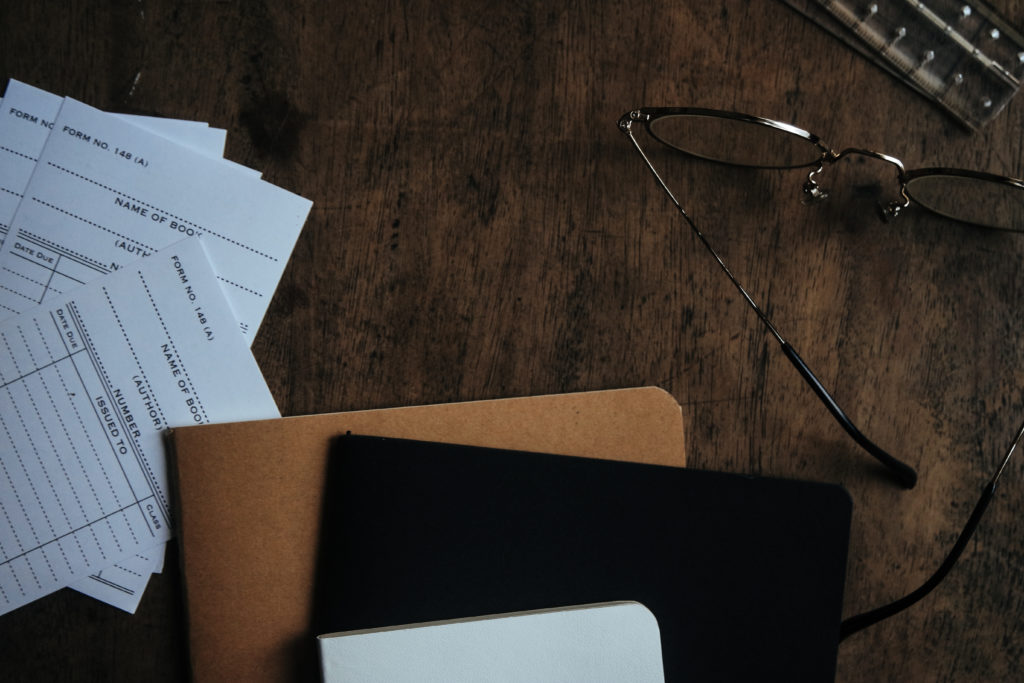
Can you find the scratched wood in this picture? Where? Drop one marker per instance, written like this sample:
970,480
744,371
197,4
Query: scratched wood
481,229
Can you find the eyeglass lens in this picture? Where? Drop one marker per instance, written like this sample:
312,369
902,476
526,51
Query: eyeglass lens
738,141
966,198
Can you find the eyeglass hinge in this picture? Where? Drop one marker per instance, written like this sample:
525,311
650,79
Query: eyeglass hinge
627,119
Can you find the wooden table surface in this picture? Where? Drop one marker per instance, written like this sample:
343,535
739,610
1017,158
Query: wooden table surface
482,229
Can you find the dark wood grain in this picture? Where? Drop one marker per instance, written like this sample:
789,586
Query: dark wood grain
481,229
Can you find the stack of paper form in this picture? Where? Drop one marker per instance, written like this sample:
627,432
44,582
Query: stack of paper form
102,350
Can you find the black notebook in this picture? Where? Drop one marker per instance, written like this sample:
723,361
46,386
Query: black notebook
744,574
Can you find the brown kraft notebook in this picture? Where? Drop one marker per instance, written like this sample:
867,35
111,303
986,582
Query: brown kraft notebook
250,498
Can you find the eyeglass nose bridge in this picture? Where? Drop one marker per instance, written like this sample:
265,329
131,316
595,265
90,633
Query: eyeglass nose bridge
814,193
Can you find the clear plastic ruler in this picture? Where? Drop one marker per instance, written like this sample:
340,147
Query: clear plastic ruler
961,55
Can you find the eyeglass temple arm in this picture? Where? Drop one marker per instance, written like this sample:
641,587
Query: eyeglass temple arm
905,474
860,622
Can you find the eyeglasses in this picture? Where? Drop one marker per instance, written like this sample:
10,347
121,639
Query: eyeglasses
970,196
974,197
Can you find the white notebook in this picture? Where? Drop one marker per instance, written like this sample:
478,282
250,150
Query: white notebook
617,641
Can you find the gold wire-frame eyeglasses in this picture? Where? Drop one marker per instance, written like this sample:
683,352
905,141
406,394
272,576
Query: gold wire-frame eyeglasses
973,197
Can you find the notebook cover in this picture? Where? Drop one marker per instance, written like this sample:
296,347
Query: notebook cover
744,575
249,497
606,643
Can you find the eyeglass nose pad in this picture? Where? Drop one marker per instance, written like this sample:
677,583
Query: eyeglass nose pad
814,193
890,211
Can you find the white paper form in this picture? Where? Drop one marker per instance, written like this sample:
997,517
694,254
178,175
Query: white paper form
106,192
28,119
195,134
88,384
122,584
24,126
23,132
199,136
